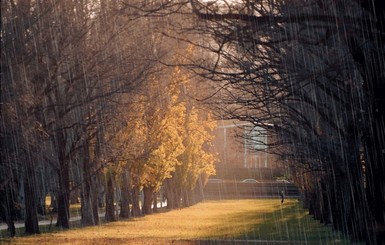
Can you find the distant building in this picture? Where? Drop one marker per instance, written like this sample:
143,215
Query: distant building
238,152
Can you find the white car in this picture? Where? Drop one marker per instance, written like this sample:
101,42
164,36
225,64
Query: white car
249,181
282,181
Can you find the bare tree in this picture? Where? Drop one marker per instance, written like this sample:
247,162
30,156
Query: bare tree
292,70
309,72
74,74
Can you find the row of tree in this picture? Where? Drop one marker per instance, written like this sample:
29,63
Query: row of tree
87,108
310,73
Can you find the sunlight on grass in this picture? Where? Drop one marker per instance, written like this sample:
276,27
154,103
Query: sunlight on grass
265,219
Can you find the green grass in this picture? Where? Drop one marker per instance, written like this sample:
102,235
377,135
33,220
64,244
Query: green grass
287,222
225,220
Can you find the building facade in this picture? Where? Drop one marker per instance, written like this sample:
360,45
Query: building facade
241,148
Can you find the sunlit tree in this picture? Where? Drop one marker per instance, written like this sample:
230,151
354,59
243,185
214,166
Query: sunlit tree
309,74
164,141
196,161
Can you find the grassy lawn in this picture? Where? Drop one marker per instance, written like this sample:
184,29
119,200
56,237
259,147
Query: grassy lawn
264,219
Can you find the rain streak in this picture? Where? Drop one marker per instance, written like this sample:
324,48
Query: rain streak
116,110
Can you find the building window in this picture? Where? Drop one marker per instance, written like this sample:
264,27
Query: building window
256,138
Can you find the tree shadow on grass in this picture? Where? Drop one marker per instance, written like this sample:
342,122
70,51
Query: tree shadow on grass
288,223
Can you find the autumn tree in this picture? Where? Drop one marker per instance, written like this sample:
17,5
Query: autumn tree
309,74
164,142
196,161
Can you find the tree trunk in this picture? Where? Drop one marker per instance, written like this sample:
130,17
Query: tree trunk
155,201
63,214
173,198
136,212
198,190
6,209
340,196
186,199
325,199
170,199
147,199
6,216
101,188
350,211
86,202
31,221
375,156
85,209
63,200
88,188
110,208
74,195
372,64
94,197
359,221
89,205
125,201
95,179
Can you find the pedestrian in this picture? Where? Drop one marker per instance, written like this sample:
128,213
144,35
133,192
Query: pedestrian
282,196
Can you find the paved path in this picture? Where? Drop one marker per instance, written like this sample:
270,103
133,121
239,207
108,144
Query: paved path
3,226
19,224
